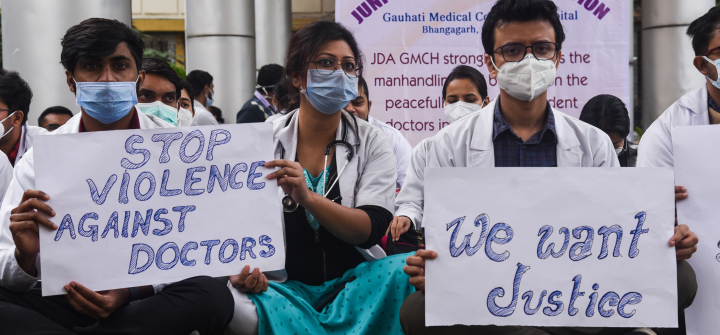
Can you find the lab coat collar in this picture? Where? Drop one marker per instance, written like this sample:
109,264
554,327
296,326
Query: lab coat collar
696,100
146,122
483,148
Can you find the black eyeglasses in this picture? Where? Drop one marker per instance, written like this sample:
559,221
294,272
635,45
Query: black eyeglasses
327,66
515,52
707,53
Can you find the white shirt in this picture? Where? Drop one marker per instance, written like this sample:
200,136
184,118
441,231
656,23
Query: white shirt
656,149
11,275
411,198
202,117
401,148
26,142
468,143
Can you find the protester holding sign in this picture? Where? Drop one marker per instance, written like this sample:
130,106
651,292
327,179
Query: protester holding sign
101,58
522,41
464,92
337,177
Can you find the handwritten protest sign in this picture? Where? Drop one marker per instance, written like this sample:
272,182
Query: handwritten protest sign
696,161
550,247
140,207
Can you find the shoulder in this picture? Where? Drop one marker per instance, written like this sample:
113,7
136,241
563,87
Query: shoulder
586,134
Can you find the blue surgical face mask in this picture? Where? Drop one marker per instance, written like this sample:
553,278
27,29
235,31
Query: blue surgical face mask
161,110
330,91
716,62
106,102
209,99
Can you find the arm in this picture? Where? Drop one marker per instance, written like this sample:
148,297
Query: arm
403,156
410,200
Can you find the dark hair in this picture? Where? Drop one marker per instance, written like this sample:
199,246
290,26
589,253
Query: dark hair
15,93
285,102
608,113
702,30
98,37
269,75
363,83
469,73
191,92
60,110
506,11
199,79
162,68
306,42
217,112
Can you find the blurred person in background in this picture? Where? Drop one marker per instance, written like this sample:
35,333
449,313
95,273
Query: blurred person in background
204,96
260,107
608,113
217,113
54,117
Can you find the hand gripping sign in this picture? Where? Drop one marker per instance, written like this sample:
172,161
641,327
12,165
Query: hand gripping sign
139,207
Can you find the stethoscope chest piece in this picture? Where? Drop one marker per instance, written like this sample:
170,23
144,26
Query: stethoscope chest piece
289,204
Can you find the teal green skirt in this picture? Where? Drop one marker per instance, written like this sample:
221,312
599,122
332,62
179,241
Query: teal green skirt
370,304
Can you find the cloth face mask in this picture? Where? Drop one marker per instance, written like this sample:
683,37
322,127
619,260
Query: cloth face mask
527,79
458,110
330,91
161,110
106,102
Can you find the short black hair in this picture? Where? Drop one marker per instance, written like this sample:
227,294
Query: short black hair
469,73
363,84
199,79
15,93
217,112
608,113
703,29
506,11
306,42
60,110
269,75
98,37
191,92
162,68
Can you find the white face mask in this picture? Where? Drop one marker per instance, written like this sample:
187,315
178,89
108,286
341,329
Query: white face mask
458,110
184,117
2,127
527,79
618,151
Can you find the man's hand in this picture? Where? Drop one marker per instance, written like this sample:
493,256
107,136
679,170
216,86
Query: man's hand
415,268
250,283
680,193
684,241
25,220
398,226
97,305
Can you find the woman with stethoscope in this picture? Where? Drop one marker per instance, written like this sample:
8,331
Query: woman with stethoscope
337,186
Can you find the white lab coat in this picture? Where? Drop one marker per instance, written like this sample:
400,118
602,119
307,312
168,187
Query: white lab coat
11,275
202,117
656,149
468,143
400,145
411,198
26,142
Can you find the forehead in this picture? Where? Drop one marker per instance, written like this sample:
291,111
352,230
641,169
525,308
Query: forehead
715,39
525,33
461,86
338,49
157,83
184,94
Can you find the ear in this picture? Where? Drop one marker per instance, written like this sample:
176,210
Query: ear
297,80
491,68
141,78
69,80
701,64
487,100
17,118
369,105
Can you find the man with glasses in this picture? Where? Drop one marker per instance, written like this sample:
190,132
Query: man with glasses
16,135
522,41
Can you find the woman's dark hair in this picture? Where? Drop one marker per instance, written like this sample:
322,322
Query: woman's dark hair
306,42
95,38
469,73
506,11
199,79
217,113
285,103
702,30
191,92
608,113
15,93
162,68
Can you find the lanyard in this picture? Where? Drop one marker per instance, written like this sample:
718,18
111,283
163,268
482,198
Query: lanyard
264,101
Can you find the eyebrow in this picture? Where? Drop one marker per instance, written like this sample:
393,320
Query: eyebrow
171,92
333,56
119,58
145,90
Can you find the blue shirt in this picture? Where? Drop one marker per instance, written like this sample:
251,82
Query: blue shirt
540,150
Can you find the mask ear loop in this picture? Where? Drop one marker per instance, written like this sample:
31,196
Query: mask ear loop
11,128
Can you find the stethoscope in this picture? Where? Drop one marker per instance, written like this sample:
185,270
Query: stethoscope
289,204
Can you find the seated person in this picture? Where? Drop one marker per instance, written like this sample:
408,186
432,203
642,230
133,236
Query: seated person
95,51
608,113
260,107
464,92
54,117
337,183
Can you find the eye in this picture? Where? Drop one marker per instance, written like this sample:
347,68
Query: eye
122,65
349,66
90,65
325,62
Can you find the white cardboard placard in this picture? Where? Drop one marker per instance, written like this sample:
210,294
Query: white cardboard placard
552,213
141,207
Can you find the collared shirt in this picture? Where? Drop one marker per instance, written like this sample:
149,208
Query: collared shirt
540,150
13,153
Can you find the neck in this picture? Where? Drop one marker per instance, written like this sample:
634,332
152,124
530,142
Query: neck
10,140
91,124
524,117
316,128
201,99
713,91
